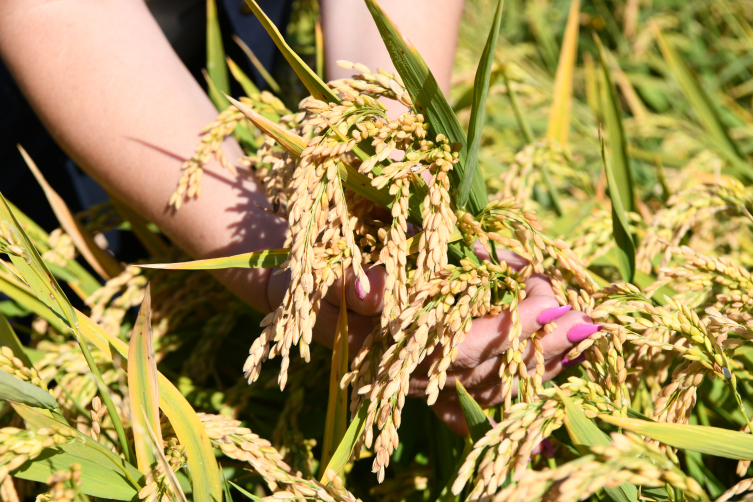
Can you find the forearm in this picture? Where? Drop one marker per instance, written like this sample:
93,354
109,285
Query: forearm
431,25
110,89
106,83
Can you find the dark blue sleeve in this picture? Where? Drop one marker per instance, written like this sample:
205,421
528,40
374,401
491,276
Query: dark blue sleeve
251,31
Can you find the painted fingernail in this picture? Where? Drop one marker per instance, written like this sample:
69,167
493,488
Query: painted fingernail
359,290
550,315
566,363
580,332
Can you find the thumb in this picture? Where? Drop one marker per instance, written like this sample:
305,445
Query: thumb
367,304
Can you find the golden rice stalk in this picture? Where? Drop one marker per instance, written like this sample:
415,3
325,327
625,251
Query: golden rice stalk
241,444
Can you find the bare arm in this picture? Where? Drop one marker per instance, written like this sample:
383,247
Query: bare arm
109,88
431,25
112,92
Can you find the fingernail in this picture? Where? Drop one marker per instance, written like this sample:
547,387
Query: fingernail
566,363
359,290
550,315
580,332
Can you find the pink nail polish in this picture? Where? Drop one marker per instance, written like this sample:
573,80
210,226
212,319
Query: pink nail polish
580,332
566,363
550,315
359,291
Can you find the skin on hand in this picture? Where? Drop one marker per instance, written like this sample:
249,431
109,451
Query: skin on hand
481,353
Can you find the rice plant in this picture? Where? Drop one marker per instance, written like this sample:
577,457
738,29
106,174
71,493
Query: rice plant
602,145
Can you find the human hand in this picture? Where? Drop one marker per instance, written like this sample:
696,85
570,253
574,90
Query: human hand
481,353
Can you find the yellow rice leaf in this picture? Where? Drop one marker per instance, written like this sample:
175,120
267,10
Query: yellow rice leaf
337,406
142,385
313,83
102,263
269,258
559,117
700,438
345,448
202,463
293,143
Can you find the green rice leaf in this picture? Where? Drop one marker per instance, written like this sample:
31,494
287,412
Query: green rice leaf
46,288
429,100
84,284
245,492
612,112
8,338
103,473
477,421
246,83
701,438
270,258
345,449
23,295
313,83
625,249
202,464
585,433
336,422
225,487
215,51
33,270
142,386
702,104
480,93
18,391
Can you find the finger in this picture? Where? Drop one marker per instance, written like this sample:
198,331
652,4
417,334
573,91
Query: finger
489,336
367,304
450,413
359,327
552,345
570,330
493,395
538,285
515,261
